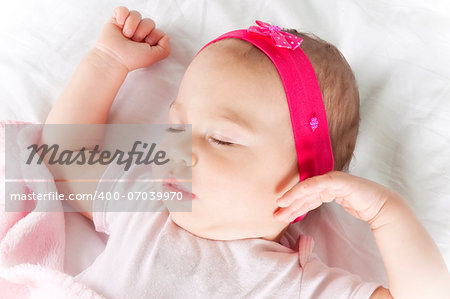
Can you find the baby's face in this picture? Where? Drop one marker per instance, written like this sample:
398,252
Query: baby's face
243,153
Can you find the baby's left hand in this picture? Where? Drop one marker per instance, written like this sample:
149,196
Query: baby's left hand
360,197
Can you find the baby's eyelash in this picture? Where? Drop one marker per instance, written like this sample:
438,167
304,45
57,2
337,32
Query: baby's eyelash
173,130
220,142
217,141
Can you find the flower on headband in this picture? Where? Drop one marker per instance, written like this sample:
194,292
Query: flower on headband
279,38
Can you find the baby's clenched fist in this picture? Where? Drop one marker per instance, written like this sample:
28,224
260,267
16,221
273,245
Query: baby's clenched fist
132,41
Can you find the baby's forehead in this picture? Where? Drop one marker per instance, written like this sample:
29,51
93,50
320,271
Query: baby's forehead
238,65
244,53
234,76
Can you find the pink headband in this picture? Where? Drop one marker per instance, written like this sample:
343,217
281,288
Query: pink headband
308,118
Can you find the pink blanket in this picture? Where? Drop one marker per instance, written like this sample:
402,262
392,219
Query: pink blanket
32,244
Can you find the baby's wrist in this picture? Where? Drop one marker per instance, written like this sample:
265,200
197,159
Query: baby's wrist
392,210
101,59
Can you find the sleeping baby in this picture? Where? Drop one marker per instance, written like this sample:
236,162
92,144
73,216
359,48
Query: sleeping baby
274,116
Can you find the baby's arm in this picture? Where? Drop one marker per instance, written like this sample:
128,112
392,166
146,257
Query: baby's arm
414,265
126,43
94,85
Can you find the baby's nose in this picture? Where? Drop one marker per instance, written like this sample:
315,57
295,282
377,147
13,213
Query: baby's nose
179,148
179,153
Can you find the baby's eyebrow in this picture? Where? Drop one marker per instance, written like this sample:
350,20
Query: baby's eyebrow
235,117
230,115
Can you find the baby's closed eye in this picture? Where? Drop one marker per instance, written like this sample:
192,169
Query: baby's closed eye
220,141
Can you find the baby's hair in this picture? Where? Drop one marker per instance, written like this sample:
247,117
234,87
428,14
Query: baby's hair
339,92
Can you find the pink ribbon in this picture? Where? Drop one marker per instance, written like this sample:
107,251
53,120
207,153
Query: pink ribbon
279,38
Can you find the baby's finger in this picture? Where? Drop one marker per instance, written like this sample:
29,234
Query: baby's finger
154,53
144,28
120,14
292,212
131,23
310,205
293,194
162,49
329,184
284,212
154,37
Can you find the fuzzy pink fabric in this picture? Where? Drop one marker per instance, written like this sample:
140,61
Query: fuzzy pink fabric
32,244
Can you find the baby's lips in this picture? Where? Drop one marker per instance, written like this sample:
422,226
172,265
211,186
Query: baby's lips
175,185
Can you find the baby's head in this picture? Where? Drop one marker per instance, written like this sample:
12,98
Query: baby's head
243,151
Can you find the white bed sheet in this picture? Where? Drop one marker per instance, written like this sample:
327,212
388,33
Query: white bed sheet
399,53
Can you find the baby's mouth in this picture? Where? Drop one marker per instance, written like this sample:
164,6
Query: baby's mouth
171,184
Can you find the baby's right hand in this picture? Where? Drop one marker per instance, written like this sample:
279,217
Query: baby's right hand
133,42
361,198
